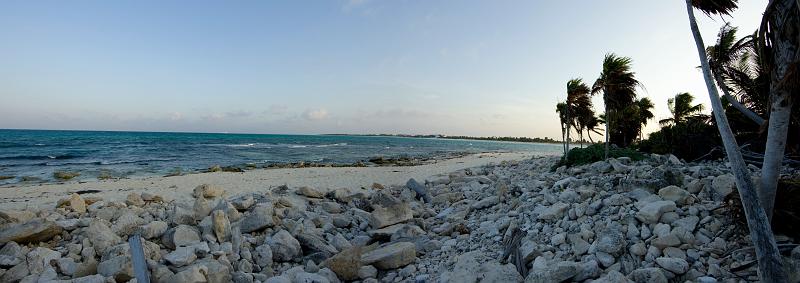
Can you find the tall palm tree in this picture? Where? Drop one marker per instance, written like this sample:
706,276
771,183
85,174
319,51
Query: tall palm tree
645,112
577,97
779,43
682,109
769,260
731,58
618,84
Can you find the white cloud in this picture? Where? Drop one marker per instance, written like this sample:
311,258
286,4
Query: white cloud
315,114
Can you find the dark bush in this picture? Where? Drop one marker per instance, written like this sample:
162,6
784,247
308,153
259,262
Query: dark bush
688,141
596,152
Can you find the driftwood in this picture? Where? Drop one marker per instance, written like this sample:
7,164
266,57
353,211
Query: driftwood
511,247
137,256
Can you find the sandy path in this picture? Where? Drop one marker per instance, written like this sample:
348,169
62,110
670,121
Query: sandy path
180,187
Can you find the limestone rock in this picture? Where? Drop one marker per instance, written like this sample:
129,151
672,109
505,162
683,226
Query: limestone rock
222,226
260,217
554,212
32,231
208,191
384,216
346,264
651,212
391,256
310,192
284,246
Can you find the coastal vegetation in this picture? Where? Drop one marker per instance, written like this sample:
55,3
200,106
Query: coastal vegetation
759,79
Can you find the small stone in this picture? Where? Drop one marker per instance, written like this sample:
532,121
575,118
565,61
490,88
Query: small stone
153,229
76,203
101,236
207,191
722,186
367,271
181,256
346,264
648,275
180,236
134,199
674,265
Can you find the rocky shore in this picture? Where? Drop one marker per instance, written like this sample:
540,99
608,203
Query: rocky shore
657,220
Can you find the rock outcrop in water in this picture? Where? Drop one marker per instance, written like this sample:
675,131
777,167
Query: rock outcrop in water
611,221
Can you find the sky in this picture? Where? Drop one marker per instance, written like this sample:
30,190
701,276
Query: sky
467,67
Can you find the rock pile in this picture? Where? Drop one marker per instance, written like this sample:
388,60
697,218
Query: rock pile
651,221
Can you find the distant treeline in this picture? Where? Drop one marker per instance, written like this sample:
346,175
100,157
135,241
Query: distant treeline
510,139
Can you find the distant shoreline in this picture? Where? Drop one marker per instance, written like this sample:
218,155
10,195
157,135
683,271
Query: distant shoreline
503,139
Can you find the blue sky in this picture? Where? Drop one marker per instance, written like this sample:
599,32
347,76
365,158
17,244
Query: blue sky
451,67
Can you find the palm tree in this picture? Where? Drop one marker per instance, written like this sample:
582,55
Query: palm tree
561,109
577,97
731,58
645,107
618,84
682,109
779,43
769,260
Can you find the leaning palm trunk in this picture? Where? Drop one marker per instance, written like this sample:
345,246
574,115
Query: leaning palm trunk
735,102
567,126
607,133
783,19
770,266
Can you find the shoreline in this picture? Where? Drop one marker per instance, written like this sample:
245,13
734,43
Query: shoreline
38,196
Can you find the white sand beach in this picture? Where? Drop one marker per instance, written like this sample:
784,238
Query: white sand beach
180,187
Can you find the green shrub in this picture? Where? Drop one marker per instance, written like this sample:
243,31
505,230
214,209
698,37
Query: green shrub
596,152
689,141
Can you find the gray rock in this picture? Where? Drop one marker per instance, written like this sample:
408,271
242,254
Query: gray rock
32,231
494,272
674,193
313,243
486,202
613,276
101,236
39,259
194,273
96,278
263,256
647,275
153,229
119,267
310,192
208,191
180,236
611,241
221,225
554,212
385,216
284,247
244,202
391,256
651,212
674,265
16,273
722,186
181,256
260,217
367,271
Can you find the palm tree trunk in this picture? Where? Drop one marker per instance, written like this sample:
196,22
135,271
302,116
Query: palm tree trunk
783,28
567,126
770,266
607,133
735,102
